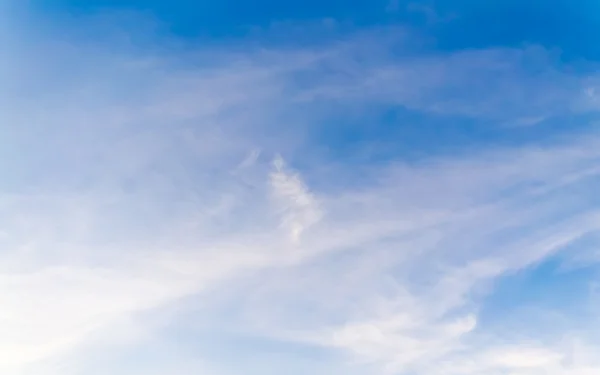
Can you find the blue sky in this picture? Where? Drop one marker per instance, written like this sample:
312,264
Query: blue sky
317,187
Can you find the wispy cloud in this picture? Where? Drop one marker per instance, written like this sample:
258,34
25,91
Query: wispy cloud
298,207
132,184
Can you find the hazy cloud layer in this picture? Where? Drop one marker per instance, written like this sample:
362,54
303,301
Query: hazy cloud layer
152,191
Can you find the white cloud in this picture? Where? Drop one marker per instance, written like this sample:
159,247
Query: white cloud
299,209
407,298
123,193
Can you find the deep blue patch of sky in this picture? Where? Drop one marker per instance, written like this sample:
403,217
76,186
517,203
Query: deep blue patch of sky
570,26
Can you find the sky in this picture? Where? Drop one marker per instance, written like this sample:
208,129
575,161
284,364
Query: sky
306,187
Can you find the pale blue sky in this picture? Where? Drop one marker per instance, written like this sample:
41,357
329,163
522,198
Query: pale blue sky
316,187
